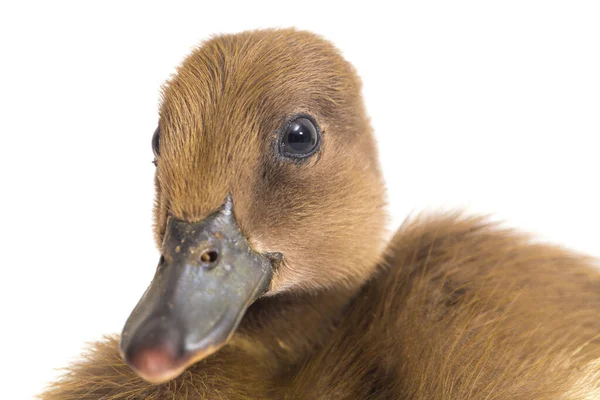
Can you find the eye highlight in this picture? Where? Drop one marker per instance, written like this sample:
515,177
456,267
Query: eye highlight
299,138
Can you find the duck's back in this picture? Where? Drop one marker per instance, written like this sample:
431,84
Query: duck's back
462,309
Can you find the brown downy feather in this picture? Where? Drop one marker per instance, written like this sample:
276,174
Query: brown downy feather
462,309
456,308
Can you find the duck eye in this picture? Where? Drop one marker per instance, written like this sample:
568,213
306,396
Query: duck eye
299,138
156,141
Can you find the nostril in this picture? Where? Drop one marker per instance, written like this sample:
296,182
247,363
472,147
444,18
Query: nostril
209,257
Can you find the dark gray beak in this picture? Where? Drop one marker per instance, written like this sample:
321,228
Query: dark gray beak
206,279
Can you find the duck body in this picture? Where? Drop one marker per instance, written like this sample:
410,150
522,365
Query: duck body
452,307
443,317
464,309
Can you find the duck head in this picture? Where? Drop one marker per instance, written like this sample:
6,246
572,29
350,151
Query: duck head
267,182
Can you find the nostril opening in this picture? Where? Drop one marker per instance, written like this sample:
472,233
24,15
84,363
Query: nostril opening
209,256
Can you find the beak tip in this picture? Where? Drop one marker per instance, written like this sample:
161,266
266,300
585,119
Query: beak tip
155,364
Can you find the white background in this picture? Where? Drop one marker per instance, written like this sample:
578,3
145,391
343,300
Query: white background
490,107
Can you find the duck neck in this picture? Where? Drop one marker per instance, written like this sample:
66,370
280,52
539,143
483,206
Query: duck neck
289,325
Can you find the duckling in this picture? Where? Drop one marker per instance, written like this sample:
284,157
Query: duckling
275,281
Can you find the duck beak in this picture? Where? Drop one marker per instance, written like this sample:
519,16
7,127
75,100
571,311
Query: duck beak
206,279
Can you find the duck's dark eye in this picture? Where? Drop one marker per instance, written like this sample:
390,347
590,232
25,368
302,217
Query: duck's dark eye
299,138
156,142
